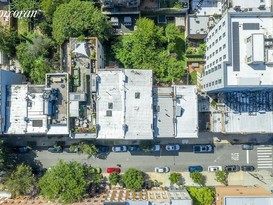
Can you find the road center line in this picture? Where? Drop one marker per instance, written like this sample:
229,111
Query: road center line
247,156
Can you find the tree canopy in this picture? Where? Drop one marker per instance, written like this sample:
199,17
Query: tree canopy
25,5
197,177
8,39
50,6
67,182
133,179
79,18
222,176
201,196
152,47
175,177
33,55
21,181
114,178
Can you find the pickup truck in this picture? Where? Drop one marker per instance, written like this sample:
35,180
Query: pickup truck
208,148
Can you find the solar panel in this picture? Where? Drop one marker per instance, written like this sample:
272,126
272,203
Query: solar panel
235,46
251,26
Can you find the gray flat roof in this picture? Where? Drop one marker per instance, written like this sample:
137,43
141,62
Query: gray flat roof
124,104
248,200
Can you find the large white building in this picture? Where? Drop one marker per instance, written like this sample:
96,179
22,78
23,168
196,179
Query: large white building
239,53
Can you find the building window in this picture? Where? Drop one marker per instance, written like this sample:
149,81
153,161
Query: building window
212,34
212,43
216,30
220,27
216,82
220,49
224,34
216,40
207,57
110,106
213,53
220,37
262,1
224,57
108,113
220,59
209,84
213,63
248,39
212,83
207,72
219,66
216,51
220,81
224,46
216,60
224,23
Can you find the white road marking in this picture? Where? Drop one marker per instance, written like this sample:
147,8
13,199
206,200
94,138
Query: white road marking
264,157
247,156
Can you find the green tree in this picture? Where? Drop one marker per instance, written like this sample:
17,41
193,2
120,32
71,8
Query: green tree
8,39
146,145
133,179
21,181
33,54
148,48
114,178
222,176
175,178
197,177
88,149
79,18
25,5
201,196
49,7
67,182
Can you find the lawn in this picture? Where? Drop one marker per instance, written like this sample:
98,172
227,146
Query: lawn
22,26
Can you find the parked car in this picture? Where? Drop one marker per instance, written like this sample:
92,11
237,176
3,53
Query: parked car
113,169
155,148
68,150
133,148
162,169
173,147
94,170
214,168
195,168
232,168
247,146
103,149
56,149
119,149
21,149
247,168
208,148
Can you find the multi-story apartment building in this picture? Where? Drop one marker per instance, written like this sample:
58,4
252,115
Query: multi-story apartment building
239,53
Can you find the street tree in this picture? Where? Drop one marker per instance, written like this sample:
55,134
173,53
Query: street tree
49,7
201,196
26,5
114,178
21,181
79,18
133,179
222,176
175,177
88,149
197,177
67,182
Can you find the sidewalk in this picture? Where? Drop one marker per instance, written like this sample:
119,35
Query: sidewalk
262,178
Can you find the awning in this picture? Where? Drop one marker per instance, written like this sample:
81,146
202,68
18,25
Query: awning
81,49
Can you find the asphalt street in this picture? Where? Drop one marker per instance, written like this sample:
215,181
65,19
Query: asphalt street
224,154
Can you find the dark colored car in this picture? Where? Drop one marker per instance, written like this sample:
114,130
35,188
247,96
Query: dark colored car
195,168
68,150
232,168
206,148
133,148
113,169
247,146
247,168
56,149
21,149
103,149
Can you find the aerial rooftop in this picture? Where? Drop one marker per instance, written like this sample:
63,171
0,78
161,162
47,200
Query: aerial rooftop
124,104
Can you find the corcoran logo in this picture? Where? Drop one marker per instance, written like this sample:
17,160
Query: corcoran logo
19,14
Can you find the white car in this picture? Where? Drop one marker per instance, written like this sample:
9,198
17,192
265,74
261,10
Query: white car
214,168
162,169
119,149
173,147
156,148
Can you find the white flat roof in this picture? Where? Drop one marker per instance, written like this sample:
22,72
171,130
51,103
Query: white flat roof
19,111
261,72
124,105
187,124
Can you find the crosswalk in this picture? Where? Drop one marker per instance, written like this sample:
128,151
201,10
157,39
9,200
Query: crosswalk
264,157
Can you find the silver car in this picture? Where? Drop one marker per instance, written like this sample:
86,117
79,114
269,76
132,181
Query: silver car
162,169
173,147
119,149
